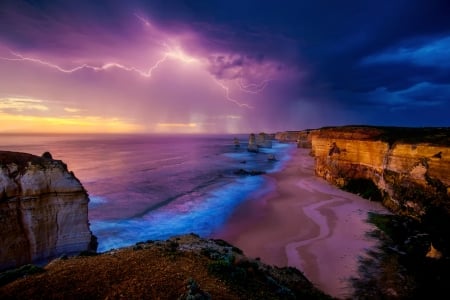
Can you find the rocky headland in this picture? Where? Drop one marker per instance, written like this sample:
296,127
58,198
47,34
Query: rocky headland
183,267
301,138
48,250
407,169
44,215
43,210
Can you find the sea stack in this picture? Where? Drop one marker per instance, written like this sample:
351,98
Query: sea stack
252,146
264,140
43,209
236,142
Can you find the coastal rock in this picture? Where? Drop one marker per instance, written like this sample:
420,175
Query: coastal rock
236,143
183,267
252,146
409,167
433,253
264,140
287,136
43,209
301,138
246,173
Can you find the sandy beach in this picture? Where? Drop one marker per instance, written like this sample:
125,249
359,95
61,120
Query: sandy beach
306,223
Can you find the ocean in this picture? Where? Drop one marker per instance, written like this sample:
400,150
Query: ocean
151,187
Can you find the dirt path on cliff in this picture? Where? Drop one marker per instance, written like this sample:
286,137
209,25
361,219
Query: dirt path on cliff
305,223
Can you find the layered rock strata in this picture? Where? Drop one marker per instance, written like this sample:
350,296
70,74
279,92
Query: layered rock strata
301,138
409,167
43,210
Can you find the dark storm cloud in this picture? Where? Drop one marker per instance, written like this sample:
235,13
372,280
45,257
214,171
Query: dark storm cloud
354,47
391,54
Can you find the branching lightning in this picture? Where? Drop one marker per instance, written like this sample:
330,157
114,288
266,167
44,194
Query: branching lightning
253,88
227,94
104,67
174,53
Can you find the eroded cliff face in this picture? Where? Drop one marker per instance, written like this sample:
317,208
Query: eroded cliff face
302,138
411,173
43,210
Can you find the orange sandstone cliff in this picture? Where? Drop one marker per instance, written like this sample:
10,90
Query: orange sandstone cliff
410,167
302,138
43,210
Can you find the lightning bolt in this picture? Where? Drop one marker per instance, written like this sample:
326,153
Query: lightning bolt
104,67
253,88
170,53
143,20
227,94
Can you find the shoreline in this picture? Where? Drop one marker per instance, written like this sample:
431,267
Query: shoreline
306,223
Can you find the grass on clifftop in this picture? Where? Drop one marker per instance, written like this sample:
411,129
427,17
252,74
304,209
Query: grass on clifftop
391,134
185,267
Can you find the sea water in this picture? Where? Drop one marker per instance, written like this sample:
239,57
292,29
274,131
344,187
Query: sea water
151,187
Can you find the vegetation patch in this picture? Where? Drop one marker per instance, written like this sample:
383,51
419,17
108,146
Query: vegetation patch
11,275
365,188
399,268
194,292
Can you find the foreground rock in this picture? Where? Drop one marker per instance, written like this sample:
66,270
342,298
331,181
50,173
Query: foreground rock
43,209
184,267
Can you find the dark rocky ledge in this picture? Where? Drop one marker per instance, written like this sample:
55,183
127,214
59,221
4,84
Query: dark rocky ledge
183,267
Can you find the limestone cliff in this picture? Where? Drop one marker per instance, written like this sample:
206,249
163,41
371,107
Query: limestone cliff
302,138
43,210
409,167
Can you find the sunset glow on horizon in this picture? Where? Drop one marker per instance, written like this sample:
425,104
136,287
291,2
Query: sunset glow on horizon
136,67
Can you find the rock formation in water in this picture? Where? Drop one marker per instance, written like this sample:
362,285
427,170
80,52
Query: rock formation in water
262,140
43,210
244,172
252,146
408,167
236,142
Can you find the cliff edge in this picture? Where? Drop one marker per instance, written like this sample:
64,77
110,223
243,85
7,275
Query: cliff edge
408,168
43,210
183,267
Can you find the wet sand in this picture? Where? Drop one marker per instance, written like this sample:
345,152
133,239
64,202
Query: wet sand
306,223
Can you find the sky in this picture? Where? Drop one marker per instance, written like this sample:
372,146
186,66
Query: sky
214,66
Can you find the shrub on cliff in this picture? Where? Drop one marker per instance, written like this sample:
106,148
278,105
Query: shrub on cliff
13,274
365,188
400,268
